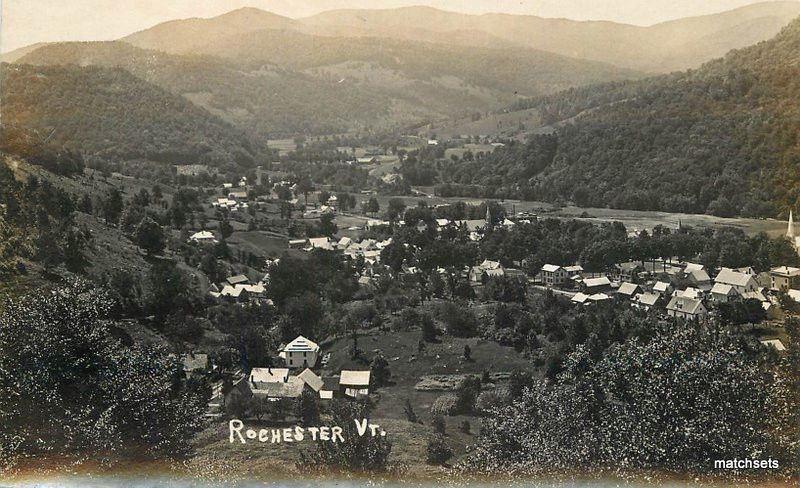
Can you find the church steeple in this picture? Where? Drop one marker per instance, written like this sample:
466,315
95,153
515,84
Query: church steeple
790,230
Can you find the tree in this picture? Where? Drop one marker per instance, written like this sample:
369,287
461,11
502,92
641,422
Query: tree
467,353
438,424
665,403
430,333
372,206
73,388
408,410
113,206
150,237
459,320
307,408
380,371
225,229
395,209
438,451
170,289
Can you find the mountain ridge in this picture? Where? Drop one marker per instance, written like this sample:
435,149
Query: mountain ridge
723,139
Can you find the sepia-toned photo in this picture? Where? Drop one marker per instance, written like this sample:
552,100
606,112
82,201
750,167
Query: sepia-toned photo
423,243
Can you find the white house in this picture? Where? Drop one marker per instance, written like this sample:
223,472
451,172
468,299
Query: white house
202,236
300,353
722,293
687,308
742,282
662,288
553,275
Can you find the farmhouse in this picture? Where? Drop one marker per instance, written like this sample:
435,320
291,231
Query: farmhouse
686,308
300,353
742,282
785,278
722,293
553,275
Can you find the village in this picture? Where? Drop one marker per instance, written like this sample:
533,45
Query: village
671,288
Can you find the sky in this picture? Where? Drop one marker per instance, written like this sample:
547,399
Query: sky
25,22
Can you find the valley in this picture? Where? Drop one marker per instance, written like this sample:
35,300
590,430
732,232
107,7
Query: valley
526,248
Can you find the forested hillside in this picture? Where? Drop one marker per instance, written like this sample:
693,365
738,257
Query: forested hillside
266,102
507,70
275,83
111,114
722,140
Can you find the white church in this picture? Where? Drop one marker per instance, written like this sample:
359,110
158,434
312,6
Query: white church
790,234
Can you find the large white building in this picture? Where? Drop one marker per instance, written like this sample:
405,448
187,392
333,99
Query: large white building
300,353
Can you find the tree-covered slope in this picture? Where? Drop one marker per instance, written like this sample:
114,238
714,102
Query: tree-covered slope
267,101
722,139
277,83
103,112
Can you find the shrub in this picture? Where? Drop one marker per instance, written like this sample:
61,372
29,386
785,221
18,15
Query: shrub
307,407
438,451
446,404
467,393
488,401
438,425
459,319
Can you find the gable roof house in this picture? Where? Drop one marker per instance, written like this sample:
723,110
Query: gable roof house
645,301
686,308
662,288
203,236
742,282
261,376
238,280
291,389
699,278
354,383
722,293
596,285
196,363
628,290
314,382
